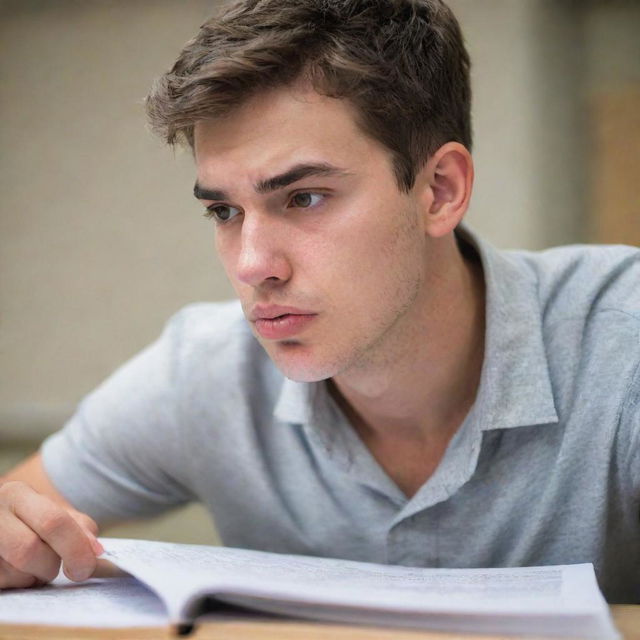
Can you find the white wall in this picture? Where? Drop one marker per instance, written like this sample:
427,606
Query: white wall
527,75
100,238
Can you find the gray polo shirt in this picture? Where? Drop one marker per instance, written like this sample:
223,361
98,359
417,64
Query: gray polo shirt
544,470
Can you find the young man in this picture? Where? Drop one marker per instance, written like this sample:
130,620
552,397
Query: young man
389,387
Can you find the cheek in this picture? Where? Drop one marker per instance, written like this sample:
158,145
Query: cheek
394,264
385,249
375,279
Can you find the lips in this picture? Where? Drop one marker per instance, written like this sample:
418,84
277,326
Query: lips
280,323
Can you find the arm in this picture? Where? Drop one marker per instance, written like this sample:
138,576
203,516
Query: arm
40,529
32,473
119,457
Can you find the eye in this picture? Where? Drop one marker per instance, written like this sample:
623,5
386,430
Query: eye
305,199
221,212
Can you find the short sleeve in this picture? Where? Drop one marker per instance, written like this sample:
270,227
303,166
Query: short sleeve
120,455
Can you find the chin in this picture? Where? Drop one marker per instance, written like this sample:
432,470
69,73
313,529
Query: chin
300,364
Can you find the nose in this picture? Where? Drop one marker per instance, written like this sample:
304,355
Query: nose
262,257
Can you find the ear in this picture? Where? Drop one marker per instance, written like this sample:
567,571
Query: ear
445,181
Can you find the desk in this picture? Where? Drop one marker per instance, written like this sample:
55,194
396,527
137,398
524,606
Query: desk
255,628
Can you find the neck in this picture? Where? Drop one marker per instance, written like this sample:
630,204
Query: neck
422,381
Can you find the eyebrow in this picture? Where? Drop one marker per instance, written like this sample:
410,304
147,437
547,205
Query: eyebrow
297,172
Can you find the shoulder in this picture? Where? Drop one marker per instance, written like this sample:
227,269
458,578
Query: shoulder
212,343
577,282
208,326
203,316
589,299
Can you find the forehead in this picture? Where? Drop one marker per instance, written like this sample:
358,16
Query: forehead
276,129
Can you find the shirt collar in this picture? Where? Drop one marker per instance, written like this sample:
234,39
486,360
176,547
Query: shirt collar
296,401
515,386
309,403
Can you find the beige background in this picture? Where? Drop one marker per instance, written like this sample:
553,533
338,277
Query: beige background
101,240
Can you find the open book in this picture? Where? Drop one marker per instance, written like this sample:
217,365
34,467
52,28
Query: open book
192,580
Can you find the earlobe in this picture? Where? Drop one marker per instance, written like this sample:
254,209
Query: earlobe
448,177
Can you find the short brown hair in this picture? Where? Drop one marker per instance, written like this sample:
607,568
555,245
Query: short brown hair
401,63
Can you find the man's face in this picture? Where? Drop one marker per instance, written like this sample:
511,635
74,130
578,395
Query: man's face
326,254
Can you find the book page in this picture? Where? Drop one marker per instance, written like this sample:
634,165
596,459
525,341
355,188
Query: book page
302,585
113,602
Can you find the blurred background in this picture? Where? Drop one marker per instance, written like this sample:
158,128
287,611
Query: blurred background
101,239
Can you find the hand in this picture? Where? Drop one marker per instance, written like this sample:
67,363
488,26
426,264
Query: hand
37,534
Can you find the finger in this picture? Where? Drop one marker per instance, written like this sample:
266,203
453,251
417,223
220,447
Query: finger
23,550
106,569
90,527
12,578
57,528
86,522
